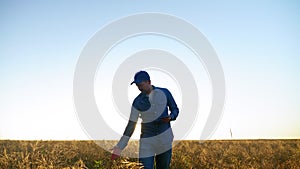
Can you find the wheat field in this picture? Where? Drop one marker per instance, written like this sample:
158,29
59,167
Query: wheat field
186,155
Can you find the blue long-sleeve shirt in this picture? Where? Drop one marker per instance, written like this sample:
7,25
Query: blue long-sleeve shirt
151,109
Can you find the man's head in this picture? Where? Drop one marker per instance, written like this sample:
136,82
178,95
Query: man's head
142,81
140,76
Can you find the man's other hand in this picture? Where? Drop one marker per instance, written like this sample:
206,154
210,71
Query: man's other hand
166,119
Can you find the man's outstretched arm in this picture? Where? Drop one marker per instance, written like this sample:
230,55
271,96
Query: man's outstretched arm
126,135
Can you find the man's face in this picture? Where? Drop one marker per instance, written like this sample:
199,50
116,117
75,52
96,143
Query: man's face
144,87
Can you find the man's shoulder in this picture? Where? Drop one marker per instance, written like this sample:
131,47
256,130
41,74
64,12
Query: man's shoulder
141,102
139,96
165,90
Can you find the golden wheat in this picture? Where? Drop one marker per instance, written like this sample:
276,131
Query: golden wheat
186,154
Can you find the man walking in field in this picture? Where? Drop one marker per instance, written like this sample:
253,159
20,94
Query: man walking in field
152,105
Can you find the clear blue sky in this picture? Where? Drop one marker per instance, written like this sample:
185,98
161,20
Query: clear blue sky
257,43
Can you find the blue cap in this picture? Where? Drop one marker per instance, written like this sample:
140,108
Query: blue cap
140,77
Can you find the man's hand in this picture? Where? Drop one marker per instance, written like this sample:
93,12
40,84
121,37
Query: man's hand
116,153
166,119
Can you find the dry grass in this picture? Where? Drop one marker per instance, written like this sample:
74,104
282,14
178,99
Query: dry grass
238,154
186,154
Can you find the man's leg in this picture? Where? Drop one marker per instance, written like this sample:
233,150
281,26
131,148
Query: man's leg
148,162
163,160
146,153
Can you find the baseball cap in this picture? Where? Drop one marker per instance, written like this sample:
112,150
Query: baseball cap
140,77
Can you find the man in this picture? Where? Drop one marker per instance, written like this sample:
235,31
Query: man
152,105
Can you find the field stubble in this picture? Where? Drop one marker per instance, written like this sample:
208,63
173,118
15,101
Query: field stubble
186,154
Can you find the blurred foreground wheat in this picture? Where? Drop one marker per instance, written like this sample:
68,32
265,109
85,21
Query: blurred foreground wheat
186,154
